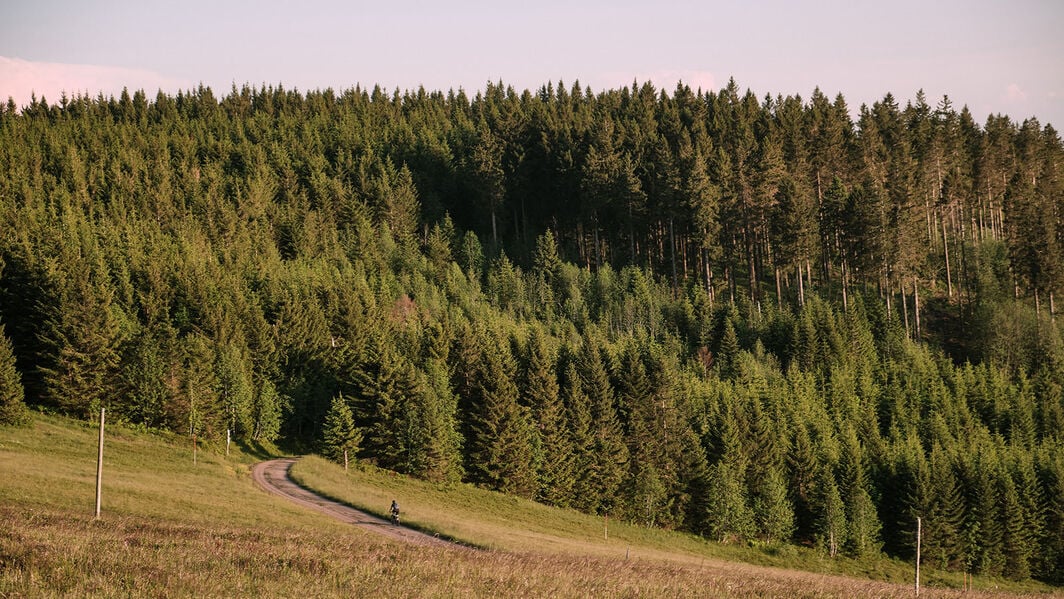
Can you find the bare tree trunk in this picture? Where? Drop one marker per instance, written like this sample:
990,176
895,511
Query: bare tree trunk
598,250
709,284
845,285
919,531
672,252
945,248
905,310
683,258
890,298
779,292
801,287
494,231
916,305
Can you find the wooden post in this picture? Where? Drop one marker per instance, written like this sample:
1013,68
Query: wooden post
345,460
918,532
606,526
228,438
99,467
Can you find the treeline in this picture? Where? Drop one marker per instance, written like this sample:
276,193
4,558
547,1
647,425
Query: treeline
751,319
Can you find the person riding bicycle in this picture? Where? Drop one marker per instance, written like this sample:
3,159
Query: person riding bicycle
394,511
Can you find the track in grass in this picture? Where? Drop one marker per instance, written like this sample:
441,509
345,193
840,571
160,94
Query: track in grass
272,476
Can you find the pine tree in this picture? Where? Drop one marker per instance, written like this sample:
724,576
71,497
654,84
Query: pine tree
235,389
542,393
1017,542
729,517
863,523
12,395
831,524
804,472
608,452
82,335
490,177
267,413
547,266
441,449
145,367
584,494
772,509
944,513
386,408
501,450
341,439
728,354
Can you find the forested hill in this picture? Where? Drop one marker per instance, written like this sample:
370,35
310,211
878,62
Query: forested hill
750,318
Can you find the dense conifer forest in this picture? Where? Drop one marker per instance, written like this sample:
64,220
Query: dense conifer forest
753,318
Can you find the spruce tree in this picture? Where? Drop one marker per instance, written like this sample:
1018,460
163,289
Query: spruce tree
729,515
341,439
585,496
82,336
501,448
12,395
728,352
235,389
944,513
772,509
831,524
1017,543
609,454
267,412
542,393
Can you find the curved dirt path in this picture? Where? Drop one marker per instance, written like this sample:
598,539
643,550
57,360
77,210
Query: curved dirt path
272,477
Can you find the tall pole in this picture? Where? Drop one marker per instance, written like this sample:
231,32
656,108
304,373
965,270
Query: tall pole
99,467
918,531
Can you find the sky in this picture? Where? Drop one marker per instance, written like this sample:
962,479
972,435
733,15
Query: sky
996,57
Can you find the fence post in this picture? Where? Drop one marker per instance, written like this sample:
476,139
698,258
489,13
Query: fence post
99,467
919,527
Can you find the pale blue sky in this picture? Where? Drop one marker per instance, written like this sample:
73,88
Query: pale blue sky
994,56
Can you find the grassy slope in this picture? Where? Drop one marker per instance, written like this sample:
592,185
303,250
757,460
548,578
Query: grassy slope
171,528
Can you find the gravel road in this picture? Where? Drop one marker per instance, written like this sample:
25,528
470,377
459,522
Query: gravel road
272,476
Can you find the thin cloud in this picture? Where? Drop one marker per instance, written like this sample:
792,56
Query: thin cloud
21,79
1014,94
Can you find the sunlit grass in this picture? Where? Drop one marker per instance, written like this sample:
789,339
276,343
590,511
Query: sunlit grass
174,528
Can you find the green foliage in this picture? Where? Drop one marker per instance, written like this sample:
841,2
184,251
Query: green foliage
199,264
730,517
501,450
12,394
267,412
340,439
772,509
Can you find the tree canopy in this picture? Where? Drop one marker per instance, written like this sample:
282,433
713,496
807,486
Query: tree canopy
757,319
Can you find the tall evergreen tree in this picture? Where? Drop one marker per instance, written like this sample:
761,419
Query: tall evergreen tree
12,394
730,517
501,450
772,509
542,393
609,454
340,437
83,336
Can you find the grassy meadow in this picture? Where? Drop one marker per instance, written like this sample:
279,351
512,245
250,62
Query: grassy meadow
174,528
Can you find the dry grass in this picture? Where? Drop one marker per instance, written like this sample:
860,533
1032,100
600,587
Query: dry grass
174,529
49,554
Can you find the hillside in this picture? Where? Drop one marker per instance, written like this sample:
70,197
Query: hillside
171,527
759,322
